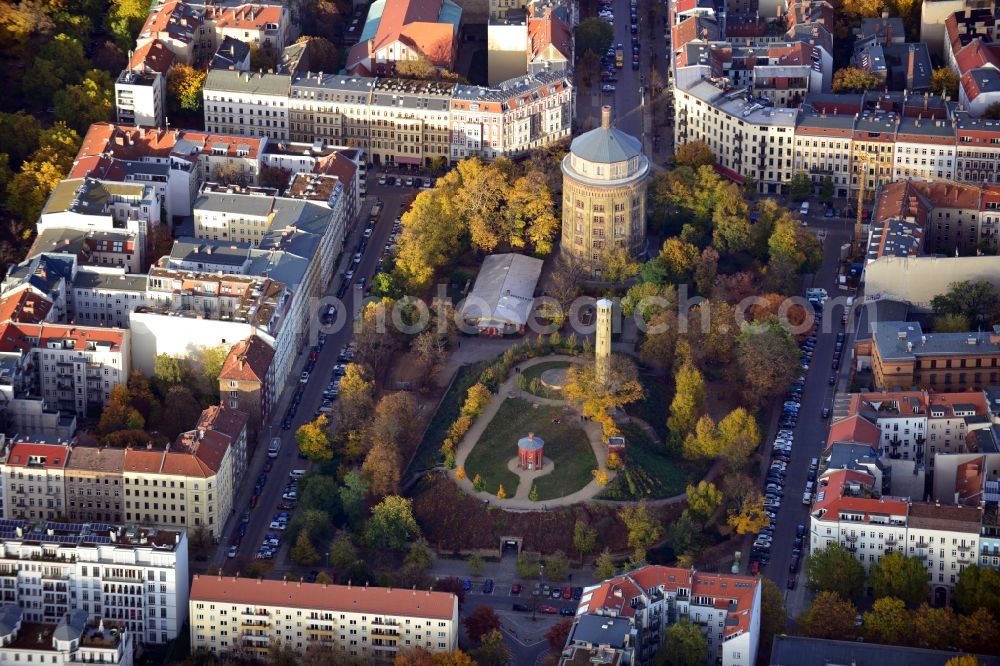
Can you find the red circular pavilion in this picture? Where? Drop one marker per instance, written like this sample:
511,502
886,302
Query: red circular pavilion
529,452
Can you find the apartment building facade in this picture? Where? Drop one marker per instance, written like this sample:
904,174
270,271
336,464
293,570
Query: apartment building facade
232,615
902,356
75,638
93,482
247,104
33,480
622,620
131,576
246,382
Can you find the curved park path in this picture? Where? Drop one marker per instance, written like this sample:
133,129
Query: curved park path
509,389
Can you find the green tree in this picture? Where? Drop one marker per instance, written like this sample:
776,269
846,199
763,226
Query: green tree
604,567
184,87
829,616
492,650
978,588
303,552
934,628
169,371
769,358
557,566
679,258
352,496
731,221
800,187
617,265
827,190
594,35
888,622
644,529
392,524
951,323
342,552
683,533
314,523
689,399
181,411
834,569
694,154
854,80
86,103
902,577
703,499
320,492
60,62
584,538
19,135
313,440
976,300
944,82
683,645
323,55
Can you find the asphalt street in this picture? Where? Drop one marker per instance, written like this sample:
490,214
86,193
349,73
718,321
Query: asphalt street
810,432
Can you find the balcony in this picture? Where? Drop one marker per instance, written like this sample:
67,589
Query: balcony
257,638
922,544
851,537
384,623
891,541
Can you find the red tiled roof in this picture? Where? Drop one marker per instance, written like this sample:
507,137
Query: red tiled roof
244,17
833,489
978,54
248,360
153,56
550,30
16,335
414,22
24,306
225,420
356,599
53,455
854,429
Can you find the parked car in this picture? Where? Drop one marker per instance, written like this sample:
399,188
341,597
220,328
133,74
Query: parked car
515,588
551,610
569,612
521,608
488,586
231,553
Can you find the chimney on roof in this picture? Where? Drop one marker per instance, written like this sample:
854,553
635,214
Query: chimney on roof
606,117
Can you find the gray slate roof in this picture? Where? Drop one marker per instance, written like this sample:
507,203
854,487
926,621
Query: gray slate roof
802,651
606,145
601,630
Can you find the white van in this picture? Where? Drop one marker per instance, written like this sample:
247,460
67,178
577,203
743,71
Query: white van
296,473
272,450
804,208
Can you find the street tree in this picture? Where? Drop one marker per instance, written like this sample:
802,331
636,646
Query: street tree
375,336
391,524
829,616
934,628
694,154
769,358
834,569
644,529
683,645
800,187
888,622
978,631
751,517
594,35
313,439
902,577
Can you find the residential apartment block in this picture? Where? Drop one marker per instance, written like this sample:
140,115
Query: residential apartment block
397,121
75,638
373,623
247,104
622,620
850,510
72,368
246,382
131,577
401,30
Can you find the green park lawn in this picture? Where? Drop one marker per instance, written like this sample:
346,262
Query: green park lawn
535,372
565,443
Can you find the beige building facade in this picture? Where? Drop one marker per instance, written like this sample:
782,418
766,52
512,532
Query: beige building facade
604,194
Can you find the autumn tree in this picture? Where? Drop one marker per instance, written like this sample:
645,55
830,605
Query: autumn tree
492,650
393,422
617,265
703,499
118,415
829,616
944,82
706,270
644,529
124,19
604,567
679,258
769,358
751,517
597,398
888,622
430,352
565,284
584,538
934,628
694,154
184,86
180,412
688,403
313,439
353,407
731,221
558,634
28,190
480,622
854,80
273,176
834,569
530,218
384,468
594,35
704,443
899,576
978,587
431,237
304,552
375,336
323,55
978,631
391,524
739,436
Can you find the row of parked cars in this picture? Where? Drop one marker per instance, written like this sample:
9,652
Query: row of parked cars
293,407
406,181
